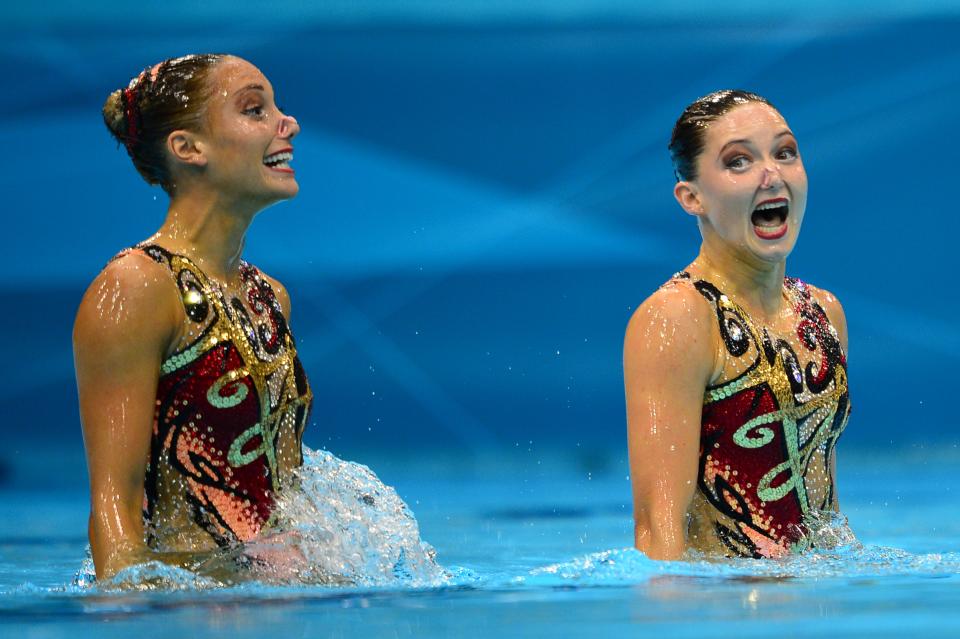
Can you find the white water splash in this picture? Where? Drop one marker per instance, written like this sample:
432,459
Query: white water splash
338,525
353,529
827,530
833,551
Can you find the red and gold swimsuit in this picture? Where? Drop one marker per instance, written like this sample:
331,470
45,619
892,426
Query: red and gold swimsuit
768,428
232,404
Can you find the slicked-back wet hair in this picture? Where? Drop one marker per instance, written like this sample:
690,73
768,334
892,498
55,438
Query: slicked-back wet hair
687,140
162,99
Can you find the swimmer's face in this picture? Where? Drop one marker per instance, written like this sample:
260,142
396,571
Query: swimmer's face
751,187
248,138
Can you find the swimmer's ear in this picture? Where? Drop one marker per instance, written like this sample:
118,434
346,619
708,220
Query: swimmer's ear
186,147
688,196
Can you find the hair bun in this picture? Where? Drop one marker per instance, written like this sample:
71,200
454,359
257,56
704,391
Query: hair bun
163,98
113,115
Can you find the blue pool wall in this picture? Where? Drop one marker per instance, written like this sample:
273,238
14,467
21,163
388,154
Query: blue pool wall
485,198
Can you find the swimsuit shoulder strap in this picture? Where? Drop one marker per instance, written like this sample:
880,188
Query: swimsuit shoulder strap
191,282
737,329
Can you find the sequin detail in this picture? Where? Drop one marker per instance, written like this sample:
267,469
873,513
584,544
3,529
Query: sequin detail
231,408
768,434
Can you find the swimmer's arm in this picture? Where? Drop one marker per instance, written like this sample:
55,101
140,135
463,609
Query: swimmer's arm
668,360
125,324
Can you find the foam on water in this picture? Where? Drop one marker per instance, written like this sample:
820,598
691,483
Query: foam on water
832,551
628,566
341,528
353,529
338,525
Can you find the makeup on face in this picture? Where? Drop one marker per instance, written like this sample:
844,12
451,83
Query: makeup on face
752,182
770,218
251,127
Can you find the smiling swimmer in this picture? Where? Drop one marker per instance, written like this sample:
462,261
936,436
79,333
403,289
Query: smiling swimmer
192,397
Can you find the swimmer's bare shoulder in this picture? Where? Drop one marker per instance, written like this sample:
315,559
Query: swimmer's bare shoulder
675,323
132,302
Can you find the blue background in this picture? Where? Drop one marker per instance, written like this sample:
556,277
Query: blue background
485,197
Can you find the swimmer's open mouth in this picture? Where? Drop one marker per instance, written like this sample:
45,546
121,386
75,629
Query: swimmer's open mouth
280,161
770,218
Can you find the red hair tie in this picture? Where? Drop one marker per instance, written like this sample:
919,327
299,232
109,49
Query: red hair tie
132,114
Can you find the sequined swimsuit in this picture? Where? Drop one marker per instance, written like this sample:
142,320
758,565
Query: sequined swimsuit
768,429
232,403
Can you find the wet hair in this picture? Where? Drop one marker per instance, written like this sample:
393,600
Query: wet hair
686,143
161,99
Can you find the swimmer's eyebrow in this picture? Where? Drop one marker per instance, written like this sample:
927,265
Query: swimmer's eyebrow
250,87
732,142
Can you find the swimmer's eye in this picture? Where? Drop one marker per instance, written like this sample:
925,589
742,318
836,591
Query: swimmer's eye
787,153
255,111
737,162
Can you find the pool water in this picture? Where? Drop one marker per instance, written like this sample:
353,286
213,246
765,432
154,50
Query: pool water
537,549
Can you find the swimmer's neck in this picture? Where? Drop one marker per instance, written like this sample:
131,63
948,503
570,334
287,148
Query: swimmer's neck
207,229
754,283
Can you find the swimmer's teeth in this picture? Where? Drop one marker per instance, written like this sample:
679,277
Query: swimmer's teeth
770,214
279,160
770,205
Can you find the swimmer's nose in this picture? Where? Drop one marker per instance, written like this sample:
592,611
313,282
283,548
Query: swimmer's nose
771,178
288,127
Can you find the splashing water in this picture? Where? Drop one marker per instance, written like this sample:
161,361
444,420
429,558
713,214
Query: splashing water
339,525
832,550
827,530
152,575
353,529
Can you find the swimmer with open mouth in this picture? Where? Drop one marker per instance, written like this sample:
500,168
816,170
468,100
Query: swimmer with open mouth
735,375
